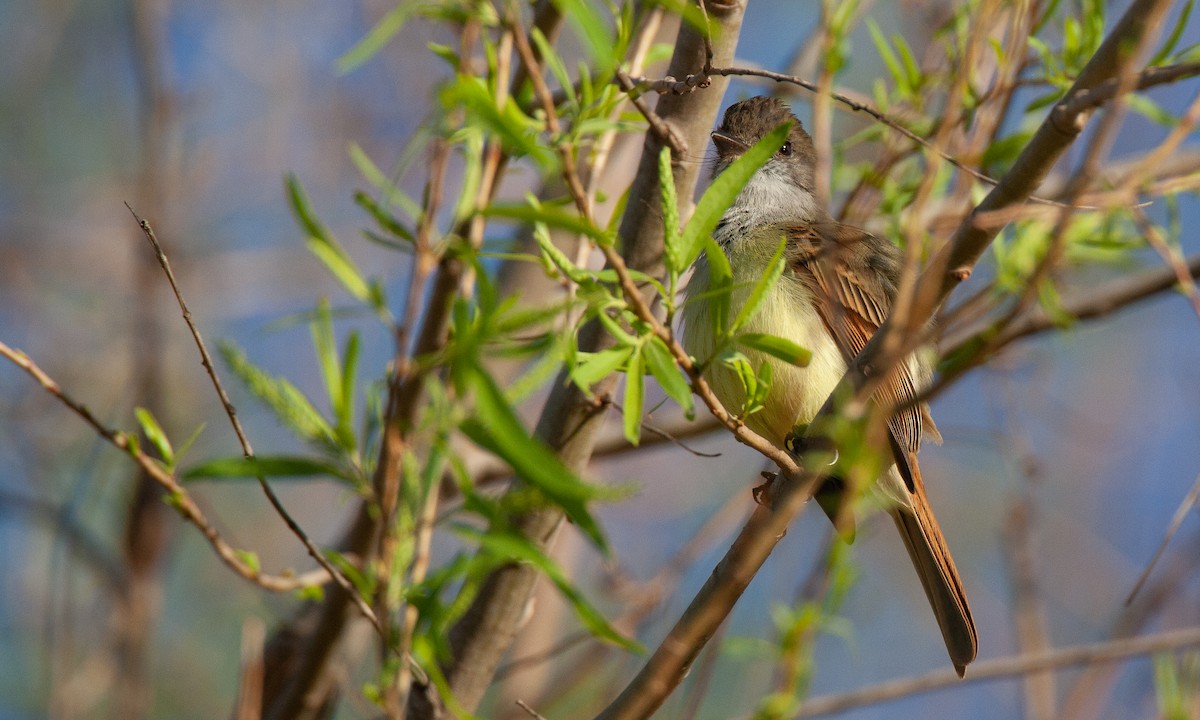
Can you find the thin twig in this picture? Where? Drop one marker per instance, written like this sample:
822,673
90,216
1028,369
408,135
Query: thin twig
1181,513
1029,611
985,670
663,131
231,412
178,496
532,713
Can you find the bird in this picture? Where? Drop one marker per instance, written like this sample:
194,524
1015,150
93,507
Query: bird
838,286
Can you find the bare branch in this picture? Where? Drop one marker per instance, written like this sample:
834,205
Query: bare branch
1185,507
206,360
1002,668
179,498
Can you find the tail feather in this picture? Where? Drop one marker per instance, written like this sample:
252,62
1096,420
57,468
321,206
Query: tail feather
927,547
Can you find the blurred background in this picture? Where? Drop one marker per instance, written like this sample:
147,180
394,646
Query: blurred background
194,112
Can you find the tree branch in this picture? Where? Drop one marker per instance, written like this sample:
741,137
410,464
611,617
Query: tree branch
1002,668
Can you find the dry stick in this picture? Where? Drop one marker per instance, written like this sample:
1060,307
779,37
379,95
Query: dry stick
671,660
231,413
493,161
250,676
179,498
662,130
1181,513
529,710
913,229
1029,610
1170,255
1088,695
1002,668
1089,304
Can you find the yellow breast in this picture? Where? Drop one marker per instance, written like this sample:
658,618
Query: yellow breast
788,311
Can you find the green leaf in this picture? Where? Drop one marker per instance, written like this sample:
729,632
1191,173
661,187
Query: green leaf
1006,149
762,287
496,428
740,364
912,71
593,367
385,219
720,286
635,398
190,441
1146,107
777,347
154,433
724,190
550,216
888,56
324,247
290,405
553,62
662,366
391,194
321,330
516,130
1173,40
511,546
763,378
384,30
274,466
594,30
250,559
670,213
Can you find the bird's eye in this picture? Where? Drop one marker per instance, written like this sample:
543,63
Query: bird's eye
786,150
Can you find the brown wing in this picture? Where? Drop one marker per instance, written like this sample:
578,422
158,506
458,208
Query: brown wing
852,275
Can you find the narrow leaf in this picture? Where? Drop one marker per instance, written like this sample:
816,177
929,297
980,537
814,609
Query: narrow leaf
724,190
496,428
662,366
154,433
593,367
720,283
762,287
274,466
384,31
635,398
512,546
670,213
777,347
551,216
290,405
323,246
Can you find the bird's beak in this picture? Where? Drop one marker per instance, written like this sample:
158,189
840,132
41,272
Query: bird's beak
727,145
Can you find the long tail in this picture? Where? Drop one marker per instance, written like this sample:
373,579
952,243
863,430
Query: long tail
927,548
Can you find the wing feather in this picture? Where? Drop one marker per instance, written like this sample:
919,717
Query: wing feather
854,307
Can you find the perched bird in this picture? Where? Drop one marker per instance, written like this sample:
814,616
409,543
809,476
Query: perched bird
837,288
